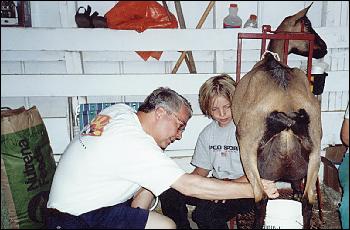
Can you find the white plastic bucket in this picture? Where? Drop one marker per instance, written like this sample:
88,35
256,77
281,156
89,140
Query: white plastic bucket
283,214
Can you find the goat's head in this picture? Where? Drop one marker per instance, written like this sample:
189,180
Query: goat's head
297,23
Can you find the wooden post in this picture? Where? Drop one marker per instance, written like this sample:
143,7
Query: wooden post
189,57
167,10
199,25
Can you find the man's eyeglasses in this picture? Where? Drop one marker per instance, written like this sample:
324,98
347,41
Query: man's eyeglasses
182,123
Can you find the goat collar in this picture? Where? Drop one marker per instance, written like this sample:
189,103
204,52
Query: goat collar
275,55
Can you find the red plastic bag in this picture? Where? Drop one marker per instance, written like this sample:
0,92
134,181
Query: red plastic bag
139,16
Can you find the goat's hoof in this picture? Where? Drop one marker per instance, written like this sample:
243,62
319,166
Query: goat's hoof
297,196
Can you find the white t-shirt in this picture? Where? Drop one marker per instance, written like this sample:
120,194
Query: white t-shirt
108,163
217,150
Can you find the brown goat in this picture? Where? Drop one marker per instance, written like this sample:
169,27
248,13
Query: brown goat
278,121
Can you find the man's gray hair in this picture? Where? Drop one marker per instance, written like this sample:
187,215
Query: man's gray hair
166,98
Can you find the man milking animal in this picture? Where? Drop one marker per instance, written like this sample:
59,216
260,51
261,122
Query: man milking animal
278,121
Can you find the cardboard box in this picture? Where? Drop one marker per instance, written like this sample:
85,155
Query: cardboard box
333,158
335,153
330,175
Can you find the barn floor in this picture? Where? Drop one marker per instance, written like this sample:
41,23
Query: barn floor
330,199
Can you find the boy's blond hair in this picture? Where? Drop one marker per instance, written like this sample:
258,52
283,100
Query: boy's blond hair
220,85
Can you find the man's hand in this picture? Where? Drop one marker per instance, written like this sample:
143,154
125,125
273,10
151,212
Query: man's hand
270,188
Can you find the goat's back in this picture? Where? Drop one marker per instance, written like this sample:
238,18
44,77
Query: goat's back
259,93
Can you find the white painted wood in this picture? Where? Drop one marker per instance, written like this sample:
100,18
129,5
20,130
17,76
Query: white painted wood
275,11
58,133
111,56
193,99
192,16
49,67
333,13
219,62
73,62
12,102
96,67
331,130
334,100
106,85
80,39
50,107
315,12
11,68
145,67
32,55
67,11
333,79
97,85
34,13
249,54
45,14
344,17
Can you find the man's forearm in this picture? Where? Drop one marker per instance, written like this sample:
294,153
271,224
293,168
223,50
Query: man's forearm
211,188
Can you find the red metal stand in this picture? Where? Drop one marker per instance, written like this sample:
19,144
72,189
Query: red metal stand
268,34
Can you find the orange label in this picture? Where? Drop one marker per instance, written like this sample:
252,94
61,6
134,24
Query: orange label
96,126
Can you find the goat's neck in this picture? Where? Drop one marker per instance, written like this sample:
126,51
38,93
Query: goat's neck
277,46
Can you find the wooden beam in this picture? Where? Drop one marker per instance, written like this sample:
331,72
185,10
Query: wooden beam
199,25
189,57
58,85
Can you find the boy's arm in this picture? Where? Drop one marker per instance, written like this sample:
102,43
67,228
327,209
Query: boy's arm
201,172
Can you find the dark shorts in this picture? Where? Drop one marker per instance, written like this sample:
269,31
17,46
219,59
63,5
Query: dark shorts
120,216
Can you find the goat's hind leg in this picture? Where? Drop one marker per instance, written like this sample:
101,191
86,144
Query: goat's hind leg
248,141
307,212
260,213
297,188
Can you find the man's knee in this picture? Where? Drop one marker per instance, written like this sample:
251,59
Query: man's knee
171,224
156,220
